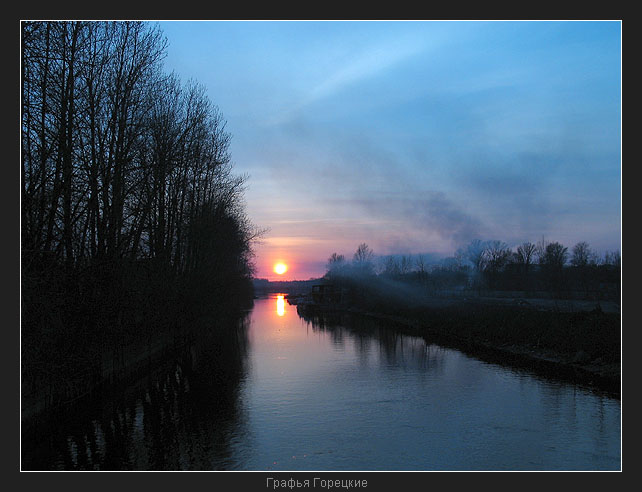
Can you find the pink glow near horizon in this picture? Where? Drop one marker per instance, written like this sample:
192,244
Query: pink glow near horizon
302,264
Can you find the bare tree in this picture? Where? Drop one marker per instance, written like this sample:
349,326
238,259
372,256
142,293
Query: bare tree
540,250
525,255
612,258
362,260
405,266
363,254
556,255
581,255
553,262
391,266
336,266
422,268
474,253
125,174
336,259
495,257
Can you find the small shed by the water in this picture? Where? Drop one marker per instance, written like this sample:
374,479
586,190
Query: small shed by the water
326,293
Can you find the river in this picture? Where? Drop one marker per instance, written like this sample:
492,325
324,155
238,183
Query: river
293,394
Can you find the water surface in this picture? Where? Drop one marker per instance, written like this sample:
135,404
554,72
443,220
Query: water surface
342,395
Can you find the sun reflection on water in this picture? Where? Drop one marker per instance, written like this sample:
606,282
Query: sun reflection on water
280,305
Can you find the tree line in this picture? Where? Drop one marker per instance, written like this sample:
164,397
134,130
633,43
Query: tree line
492,265
129,203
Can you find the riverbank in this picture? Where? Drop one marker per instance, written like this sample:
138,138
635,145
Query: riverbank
579,346
113,369
99,431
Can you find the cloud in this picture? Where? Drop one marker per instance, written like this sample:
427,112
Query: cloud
366,64
426,215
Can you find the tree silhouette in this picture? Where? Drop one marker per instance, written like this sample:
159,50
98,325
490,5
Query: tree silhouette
363,260
553,262
130,206
336,266
581,254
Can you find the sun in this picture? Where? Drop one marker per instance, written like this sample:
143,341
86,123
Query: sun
280,268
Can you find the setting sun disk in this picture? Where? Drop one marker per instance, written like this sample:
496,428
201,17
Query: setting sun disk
280,268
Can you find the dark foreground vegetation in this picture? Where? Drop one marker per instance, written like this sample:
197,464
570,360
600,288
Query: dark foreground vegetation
546,312
133,222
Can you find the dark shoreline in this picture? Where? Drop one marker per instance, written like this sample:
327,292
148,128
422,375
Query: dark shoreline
598,375
140,361
212,356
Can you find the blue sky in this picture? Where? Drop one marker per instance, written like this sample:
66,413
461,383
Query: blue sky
415,137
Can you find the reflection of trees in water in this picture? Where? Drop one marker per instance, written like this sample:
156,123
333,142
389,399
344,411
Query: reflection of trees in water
568,408
182,417
395,348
